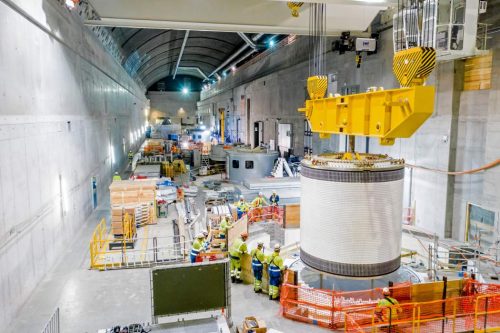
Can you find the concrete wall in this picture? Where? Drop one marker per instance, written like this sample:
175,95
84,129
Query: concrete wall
173,104
64,102
462,133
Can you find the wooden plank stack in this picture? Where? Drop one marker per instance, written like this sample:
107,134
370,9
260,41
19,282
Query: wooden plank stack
292,216
117,219
477,74
132,194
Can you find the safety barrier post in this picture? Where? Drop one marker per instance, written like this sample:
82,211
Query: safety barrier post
486,312
454,315
418,320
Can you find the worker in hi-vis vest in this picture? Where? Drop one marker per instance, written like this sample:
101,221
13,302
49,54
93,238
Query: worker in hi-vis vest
225,225
241,207
275,269
116,176
206,240
238,248
388,309
274,201
258,260
130,156
258,203
197,247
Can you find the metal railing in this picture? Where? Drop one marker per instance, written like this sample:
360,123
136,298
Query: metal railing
53,325
122,256
445,256
107,252
459,314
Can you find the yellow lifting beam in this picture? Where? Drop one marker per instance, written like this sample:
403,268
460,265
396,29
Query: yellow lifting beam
385,114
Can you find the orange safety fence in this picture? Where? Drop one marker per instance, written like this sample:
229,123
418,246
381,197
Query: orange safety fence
458,314
327,308
267,213
357,311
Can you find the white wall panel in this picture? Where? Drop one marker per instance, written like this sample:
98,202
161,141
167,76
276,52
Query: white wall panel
50,78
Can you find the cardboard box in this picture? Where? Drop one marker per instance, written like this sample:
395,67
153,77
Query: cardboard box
261,325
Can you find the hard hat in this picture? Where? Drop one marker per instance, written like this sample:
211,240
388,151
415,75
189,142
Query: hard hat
242,197
200,235
274,191
277,247
228,215
260,193
244,234
205,233
386,291
116,172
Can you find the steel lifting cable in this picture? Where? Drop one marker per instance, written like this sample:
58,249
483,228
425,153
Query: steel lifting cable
457,173
317,39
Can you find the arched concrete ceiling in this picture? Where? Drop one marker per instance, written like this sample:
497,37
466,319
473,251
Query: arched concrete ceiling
152,54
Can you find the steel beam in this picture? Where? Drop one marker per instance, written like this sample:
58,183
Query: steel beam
234,55
247,40
186,36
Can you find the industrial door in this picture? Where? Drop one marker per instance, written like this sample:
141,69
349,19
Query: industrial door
93,182
258,133
284,138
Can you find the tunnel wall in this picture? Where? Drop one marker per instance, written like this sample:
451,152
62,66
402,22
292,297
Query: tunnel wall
64,102
173,104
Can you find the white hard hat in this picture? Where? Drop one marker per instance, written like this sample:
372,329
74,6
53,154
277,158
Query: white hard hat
385,291
277,247
228,215
260,193
200,235
116,172
242,197
204,232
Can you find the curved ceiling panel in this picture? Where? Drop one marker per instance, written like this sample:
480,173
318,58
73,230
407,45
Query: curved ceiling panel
152,54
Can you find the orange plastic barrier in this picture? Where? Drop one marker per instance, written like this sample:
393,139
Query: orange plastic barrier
327,308
357,311
459,314
274,213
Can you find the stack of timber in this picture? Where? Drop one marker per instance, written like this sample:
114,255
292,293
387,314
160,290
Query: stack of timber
120,216
477,73
138,193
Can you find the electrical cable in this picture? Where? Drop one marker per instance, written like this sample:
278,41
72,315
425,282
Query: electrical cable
458,173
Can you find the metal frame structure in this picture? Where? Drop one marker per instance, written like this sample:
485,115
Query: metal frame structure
227,312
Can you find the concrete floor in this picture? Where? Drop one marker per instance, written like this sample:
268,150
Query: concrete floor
90,300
